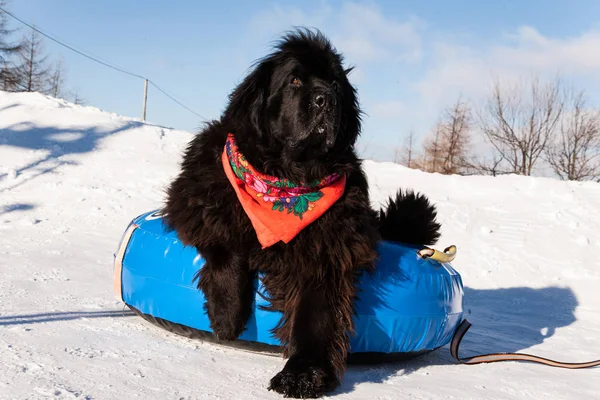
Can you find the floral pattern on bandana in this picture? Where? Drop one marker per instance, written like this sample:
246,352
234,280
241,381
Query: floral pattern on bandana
283,194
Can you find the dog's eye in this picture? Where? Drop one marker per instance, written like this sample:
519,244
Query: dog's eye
335,86
295,81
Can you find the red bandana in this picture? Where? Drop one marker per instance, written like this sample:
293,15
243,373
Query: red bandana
279,209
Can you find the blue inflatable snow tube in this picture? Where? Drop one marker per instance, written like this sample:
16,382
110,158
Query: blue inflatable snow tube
408,305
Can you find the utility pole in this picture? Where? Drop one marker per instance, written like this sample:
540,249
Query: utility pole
145,99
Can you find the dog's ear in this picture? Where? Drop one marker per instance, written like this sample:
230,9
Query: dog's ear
351,121
248,100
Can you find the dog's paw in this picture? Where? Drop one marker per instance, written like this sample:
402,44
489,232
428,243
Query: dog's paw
304,380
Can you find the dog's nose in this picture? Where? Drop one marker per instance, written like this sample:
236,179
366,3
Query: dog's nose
319,100
324,98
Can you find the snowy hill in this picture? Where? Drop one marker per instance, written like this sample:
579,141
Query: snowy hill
72,177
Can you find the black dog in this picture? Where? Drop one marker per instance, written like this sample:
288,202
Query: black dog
295,116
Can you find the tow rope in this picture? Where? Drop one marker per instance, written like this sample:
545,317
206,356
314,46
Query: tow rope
496,357
447,256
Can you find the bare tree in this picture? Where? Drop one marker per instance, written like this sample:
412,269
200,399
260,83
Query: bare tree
397,155
409,153
8,73
518,125
575,154
9,77
405,155
484,166
32,66
56,79
446,151
430,161
455,137
7,48
76,98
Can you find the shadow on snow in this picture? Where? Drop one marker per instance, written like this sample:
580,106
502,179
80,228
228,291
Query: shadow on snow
504,320
57,144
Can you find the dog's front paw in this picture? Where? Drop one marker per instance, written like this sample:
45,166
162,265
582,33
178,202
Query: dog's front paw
303,379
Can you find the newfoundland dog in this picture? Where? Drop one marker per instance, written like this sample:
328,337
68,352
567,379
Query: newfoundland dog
275,186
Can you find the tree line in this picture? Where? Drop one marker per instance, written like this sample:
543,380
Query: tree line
522,128
26,67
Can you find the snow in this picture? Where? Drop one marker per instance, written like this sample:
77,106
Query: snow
72,177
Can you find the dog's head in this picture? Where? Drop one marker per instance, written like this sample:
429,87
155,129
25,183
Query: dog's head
297,101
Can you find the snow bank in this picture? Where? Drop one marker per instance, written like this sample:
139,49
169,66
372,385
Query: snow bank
72,177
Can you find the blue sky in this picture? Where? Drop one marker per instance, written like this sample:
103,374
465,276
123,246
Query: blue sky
412,58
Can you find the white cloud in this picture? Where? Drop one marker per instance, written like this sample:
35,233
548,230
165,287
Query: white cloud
359,48
368,35
387,110
277,19
573,55
441,65
362,32
457,68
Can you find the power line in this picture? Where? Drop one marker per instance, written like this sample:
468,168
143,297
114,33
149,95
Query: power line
99,61
69,47
175,100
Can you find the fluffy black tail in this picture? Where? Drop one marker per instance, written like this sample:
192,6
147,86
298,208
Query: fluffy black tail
409,218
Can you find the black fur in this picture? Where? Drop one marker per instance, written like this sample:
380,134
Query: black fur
285,130
409,218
